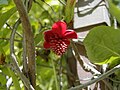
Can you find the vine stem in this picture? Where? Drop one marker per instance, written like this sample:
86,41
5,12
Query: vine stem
54,70
60,73
13,28
103,76
81,62
14,64
29,39
115,23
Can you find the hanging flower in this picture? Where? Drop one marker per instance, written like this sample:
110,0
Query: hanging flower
58,39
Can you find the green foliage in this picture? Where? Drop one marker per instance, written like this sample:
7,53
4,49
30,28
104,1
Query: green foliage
3,2
15,80
103,44
2,79
38,38
114,10
5,16
45,74
69,10
5,71
116,2
42,15
103,47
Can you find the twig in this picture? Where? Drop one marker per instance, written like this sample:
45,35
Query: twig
28,4
107,84
116,81
103,76
63,3
12,29
85,66
25,60
14,64
44,10
54,70
27,30
49,6
25,66
13,35
9,39
115,23
77,56
60,74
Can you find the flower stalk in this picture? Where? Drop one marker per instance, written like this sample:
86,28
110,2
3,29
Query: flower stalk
54,70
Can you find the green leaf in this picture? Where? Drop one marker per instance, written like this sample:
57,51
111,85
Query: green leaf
114,63
38,88
69,10
38,37
5,33
44,15
15,80
2,79
5,71
3,2
116,2
5,16
117,73
103,44
114,10
3,88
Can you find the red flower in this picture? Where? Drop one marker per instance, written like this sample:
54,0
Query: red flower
58,38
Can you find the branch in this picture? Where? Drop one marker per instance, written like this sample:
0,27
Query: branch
9,39
115,23
107,84
62,2
103,76
116,81
84,65
14,64
29,40
77,56
60,74
12,29
55,76
13,35
25,65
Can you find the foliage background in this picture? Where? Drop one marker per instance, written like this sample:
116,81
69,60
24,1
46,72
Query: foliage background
42,15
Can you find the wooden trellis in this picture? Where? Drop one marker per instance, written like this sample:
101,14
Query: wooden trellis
89,14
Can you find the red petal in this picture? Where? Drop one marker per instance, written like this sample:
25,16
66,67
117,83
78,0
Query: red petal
47,35
67,41
70,34
46,45
59,28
